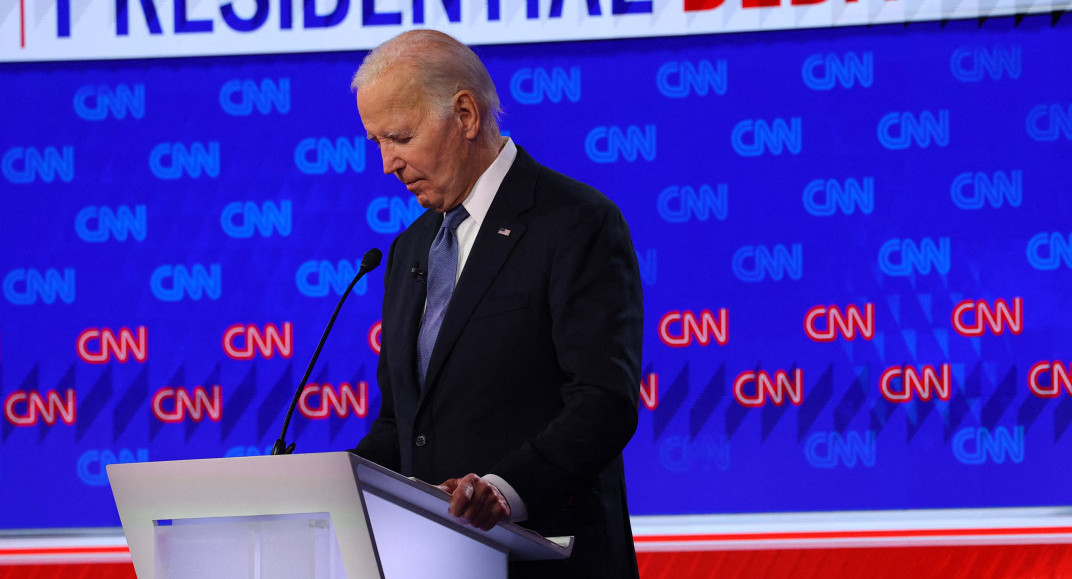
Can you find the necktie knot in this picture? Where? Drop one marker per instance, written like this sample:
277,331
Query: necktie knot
454,218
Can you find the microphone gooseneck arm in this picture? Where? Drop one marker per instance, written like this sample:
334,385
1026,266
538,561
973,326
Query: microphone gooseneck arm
368,263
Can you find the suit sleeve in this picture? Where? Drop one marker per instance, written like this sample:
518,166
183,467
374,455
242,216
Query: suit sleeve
380,445
597,328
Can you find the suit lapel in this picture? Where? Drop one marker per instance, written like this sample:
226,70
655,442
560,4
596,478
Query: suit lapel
413,294
490,251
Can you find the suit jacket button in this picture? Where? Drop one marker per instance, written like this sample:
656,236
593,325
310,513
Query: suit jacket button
421,440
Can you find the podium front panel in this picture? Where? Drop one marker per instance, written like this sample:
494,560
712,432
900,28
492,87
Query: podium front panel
298,546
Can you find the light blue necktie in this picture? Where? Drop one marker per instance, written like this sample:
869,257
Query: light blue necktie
442,269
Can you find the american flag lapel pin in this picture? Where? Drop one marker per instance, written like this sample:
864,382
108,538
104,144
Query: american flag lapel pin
504,232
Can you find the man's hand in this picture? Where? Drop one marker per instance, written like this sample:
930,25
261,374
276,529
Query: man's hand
474,501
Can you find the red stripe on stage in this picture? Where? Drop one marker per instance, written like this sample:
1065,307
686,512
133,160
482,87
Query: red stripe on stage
852,534
871,562
22,23
999,561
64,551
72,571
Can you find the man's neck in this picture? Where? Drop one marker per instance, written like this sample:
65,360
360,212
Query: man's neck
483,157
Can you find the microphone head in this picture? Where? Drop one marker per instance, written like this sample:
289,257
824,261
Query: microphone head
371,260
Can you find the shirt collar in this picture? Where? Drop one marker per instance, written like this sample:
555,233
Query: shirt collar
479,199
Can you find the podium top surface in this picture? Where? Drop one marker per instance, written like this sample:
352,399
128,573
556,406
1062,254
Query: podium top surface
522,544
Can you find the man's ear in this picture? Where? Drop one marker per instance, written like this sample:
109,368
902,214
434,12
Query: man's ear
467,111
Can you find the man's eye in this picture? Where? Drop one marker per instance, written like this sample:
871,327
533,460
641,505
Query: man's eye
403,140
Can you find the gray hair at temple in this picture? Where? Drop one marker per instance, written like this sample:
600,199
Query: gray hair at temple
443,67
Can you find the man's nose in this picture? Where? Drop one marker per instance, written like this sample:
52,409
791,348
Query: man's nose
391,162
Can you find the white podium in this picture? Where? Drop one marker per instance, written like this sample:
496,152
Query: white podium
324,516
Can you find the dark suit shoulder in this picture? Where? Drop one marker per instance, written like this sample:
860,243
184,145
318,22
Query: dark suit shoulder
568,191
571,207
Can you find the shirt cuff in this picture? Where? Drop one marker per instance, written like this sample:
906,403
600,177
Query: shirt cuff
518,511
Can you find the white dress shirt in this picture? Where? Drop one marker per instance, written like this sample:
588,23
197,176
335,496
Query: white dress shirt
477,204
479,201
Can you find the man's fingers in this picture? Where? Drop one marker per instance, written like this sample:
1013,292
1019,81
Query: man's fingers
475,501
476,512
486,506
448,485
462,495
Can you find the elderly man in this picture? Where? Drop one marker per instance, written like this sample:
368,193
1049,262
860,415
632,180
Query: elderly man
512,316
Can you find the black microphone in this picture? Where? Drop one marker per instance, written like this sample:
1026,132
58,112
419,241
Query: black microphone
417,273
368,263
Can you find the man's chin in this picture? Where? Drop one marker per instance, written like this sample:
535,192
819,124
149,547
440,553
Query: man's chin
423,200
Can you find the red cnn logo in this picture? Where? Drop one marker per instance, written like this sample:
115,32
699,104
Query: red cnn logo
1059,377
926,382
777,387
342,400
374,337
996,318
688,327
649,391
26,408
171,404
97,346
847,324
253,341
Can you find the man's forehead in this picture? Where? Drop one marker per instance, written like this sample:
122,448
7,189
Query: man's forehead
393,118
400,82
390,110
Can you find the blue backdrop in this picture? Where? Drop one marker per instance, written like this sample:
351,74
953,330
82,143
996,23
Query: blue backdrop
855,248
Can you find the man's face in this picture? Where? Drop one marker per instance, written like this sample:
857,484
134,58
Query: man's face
425,152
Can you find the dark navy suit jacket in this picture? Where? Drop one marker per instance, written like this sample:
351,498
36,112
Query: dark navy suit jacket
536,371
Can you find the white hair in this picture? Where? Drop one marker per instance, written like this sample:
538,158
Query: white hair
443,66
